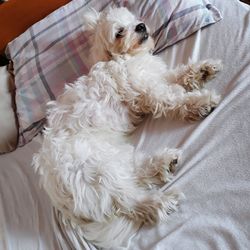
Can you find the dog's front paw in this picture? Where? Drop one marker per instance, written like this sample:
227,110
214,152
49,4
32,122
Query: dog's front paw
199,73
203,106
209,68
205,110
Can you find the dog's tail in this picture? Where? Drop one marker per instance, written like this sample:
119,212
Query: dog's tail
111,234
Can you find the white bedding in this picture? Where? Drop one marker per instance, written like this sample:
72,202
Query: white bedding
8,130
214,174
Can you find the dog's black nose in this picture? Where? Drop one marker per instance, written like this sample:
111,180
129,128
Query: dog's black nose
140,28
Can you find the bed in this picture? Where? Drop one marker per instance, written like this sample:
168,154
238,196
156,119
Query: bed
214,173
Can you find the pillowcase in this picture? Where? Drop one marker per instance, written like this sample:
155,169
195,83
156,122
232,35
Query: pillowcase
55,50
173,20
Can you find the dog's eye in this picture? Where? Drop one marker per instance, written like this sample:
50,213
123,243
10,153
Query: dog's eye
119,34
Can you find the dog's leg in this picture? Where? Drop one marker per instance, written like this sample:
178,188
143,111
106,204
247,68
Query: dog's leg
194,75
105,185
134,201
148,207
195,105
158,169
173,100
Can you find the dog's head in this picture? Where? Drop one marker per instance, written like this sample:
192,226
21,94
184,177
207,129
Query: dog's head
117,32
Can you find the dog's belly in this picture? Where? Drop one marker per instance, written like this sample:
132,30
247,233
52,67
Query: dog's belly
111,118
89,152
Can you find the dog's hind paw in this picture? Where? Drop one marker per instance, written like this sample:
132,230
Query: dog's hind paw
168,160
158,169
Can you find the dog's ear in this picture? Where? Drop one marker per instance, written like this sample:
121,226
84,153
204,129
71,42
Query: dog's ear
90,19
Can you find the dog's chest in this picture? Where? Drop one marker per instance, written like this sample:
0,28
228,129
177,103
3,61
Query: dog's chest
143,69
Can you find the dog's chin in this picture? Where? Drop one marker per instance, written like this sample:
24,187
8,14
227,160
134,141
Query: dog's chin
144,37
144,43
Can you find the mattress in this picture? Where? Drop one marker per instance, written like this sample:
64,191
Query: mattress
214,173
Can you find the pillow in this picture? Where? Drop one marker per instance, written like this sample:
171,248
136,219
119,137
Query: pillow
173,20
8,130
55,50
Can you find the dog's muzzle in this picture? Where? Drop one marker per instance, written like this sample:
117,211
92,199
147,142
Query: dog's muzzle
142,30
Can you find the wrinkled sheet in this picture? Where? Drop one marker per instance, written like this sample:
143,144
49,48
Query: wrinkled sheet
214,173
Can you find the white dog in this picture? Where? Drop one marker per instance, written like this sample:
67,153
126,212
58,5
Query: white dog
87,166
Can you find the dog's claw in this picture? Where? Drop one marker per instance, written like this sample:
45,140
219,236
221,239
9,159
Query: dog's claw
212,109
173,165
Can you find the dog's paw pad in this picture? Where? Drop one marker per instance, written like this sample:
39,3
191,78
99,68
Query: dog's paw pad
171,158
209,69
173,164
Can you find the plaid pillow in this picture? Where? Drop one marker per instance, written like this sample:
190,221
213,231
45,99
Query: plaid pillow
55,50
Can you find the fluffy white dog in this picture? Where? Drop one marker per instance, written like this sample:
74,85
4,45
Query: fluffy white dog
86,164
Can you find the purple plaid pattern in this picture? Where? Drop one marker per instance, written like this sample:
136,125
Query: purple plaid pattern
55,50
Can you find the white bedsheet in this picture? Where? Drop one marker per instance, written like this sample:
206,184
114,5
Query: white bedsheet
25,210
214,173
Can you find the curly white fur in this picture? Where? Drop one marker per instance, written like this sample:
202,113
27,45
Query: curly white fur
86,163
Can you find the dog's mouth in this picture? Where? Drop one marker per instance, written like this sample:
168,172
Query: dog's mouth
144,37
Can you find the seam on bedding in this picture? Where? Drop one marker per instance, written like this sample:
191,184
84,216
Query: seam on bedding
37,124
24,139
57,222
